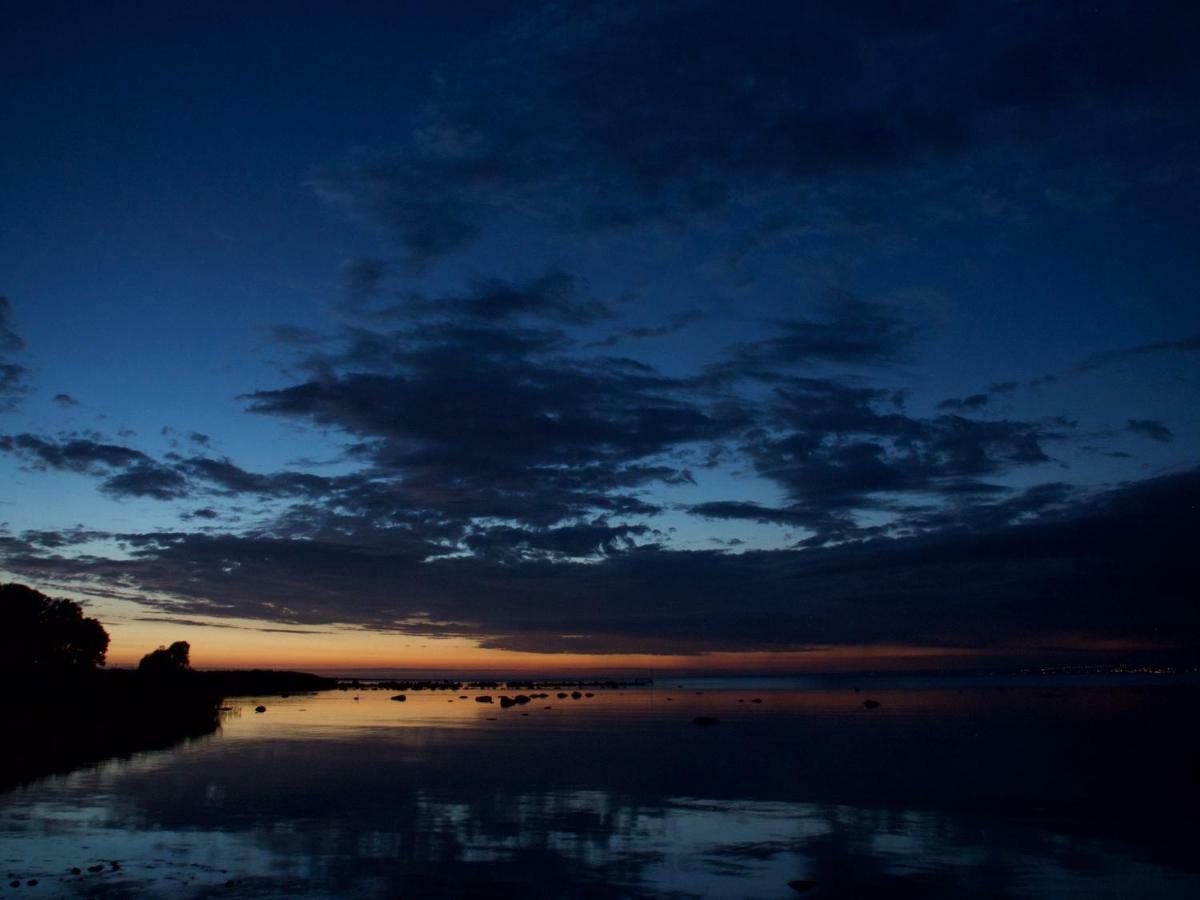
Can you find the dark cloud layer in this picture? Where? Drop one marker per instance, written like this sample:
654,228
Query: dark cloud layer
126,472
1127,354
608,115
73,454
851,332
1151,428
838,450
552,297
467,420
1113,567
13,376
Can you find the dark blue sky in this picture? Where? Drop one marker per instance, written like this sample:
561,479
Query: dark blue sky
606,327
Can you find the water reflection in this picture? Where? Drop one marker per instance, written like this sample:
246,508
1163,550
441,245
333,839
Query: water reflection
987,792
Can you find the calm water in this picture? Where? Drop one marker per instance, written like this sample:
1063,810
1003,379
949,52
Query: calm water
964,789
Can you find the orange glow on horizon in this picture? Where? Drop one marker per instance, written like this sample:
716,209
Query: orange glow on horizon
237,644
352,651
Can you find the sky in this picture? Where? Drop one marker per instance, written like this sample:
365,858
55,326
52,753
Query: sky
615,336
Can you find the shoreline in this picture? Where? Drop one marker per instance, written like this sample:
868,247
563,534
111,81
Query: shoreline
60,722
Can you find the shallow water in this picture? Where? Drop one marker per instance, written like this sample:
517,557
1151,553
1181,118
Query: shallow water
981,790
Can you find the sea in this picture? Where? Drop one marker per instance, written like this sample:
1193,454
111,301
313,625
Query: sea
1027,785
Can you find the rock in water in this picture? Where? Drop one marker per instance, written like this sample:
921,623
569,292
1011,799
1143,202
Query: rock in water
484,699
871,704
400,698
260,709
705,720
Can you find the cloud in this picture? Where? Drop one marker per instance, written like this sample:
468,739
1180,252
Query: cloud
175,620
295,336
65,400
505,492
126,472
471,421
741,509
571,541
53,540
13,376
146,479
1066,567
852,332
613,115
363,277
13,384
1151,428
1116,357
232,479
968,404
72,454
479,427
483,435
551,297
677,323
10,341
839,451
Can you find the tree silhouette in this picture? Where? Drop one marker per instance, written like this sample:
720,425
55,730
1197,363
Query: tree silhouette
167,660
40,632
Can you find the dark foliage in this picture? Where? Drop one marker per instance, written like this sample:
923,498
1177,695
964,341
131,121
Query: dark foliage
44,633
167,660
70,713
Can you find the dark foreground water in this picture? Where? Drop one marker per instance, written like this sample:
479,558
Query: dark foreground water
972,789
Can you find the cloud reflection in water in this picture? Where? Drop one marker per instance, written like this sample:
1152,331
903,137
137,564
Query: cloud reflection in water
934,794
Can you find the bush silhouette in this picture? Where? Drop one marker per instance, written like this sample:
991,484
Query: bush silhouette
167,660
40,632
